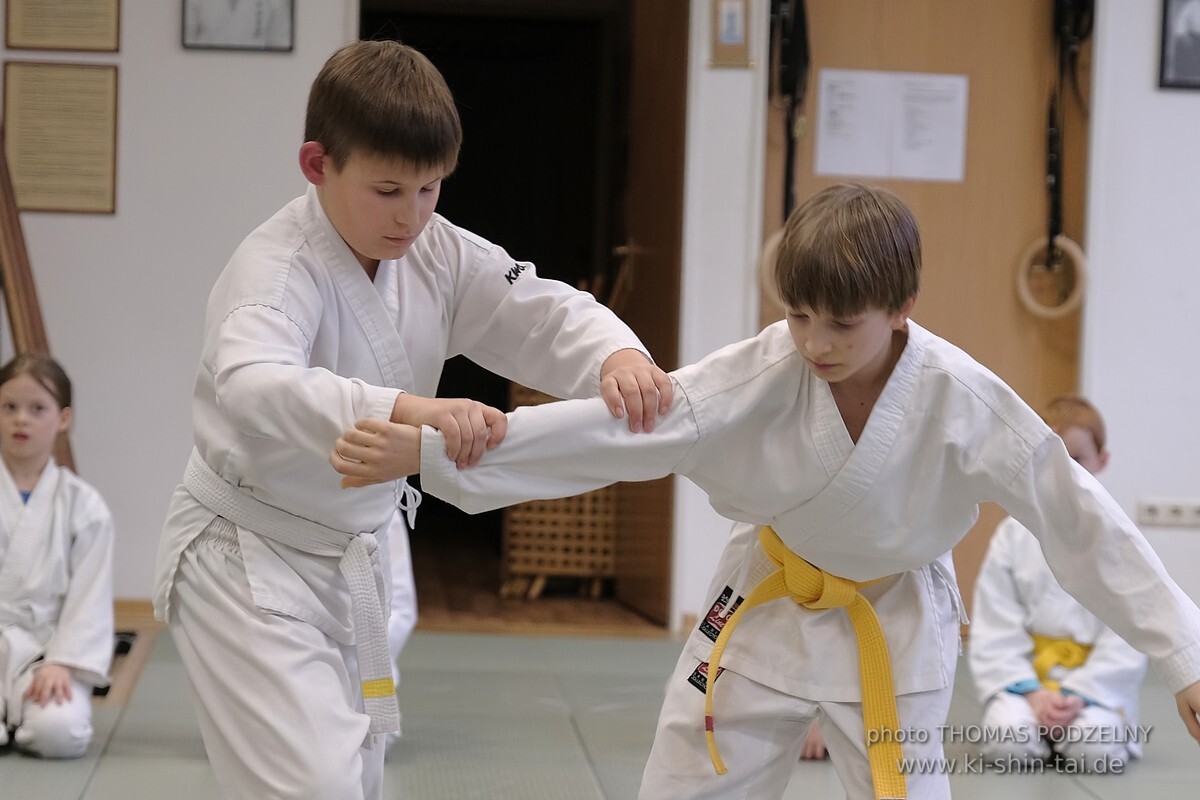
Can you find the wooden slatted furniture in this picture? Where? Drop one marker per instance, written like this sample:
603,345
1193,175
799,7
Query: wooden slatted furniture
574,537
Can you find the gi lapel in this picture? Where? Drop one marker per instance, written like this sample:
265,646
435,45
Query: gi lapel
27,524
350,278
853,468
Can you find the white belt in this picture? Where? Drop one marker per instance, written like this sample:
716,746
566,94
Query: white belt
354,551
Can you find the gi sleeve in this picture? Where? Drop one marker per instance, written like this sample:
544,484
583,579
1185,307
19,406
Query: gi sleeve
265,386
1113,672
559,450
83,635
1100,557
999,647
539,332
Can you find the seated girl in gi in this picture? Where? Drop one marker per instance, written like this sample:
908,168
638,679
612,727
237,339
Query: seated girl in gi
1049,674
56,539
851,447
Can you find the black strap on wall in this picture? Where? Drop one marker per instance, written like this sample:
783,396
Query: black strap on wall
789,33
1072,26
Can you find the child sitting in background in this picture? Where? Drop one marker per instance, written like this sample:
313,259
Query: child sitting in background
1049,674
56,539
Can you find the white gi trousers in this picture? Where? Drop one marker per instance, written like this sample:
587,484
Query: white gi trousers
55,730
760,732
1094,736
278,701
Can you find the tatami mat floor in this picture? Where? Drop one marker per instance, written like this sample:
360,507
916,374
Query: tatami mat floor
523,718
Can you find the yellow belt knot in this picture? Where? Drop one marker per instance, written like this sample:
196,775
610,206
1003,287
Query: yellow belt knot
1049,653
836,592
814,588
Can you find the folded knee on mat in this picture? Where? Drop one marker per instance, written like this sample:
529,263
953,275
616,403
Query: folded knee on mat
53,738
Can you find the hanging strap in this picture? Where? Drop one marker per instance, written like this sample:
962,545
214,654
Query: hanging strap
790,21
1072,26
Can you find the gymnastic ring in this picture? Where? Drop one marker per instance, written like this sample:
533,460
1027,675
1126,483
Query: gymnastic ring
1073,299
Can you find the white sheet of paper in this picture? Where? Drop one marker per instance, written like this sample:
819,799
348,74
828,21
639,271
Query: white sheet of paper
904,125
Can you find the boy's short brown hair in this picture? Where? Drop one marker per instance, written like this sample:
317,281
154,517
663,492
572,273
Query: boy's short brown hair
849,248
1075,411
383,98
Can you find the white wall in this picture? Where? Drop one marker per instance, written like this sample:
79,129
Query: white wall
207,147
722,229
1141,360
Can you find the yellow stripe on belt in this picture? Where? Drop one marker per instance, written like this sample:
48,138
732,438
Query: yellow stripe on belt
1049,653
814,588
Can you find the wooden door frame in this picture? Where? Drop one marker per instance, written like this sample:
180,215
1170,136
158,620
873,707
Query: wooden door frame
20,291
658,82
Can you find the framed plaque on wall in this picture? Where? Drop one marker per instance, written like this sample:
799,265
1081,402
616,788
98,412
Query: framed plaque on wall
92,25
60,135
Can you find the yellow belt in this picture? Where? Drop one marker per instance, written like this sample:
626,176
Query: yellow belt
814,588
1049,653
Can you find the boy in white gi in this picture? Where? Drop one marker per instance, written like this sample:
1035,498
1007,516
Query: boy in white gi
1048,673
345,305
56,540
852,447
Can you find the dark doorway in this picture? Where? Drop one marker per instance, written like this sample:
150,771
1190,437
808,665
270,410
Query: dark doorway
541,93
537,97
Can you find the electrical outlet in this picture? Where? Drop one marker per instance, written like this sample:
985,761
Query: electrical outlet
1169,513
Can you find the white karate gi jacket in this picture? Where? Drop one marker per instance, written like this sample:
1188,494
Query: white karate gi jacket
56,599
299,344
756,430
1016,595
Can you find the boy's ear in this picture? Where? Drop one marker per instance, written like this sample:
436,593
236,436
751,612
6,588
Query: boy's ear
313,162
901,317
1103,460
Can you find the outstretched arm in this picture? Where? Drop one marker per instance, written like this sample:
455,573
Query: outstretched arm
559,450
1099,556
552,450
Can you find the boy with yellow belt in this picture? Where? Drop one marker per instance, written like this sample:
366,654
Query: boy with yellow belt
851,447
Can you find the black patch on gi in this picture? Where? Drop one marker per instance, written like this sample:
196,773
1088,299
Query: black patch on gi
716,617
699,676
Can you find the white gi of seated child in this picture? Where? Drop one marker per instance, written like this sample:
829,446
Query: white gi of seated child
56,537
1049,673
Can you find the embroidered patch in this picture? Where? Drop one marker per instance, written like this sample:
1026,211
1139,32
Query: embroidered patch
716,617
515,272
699,676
